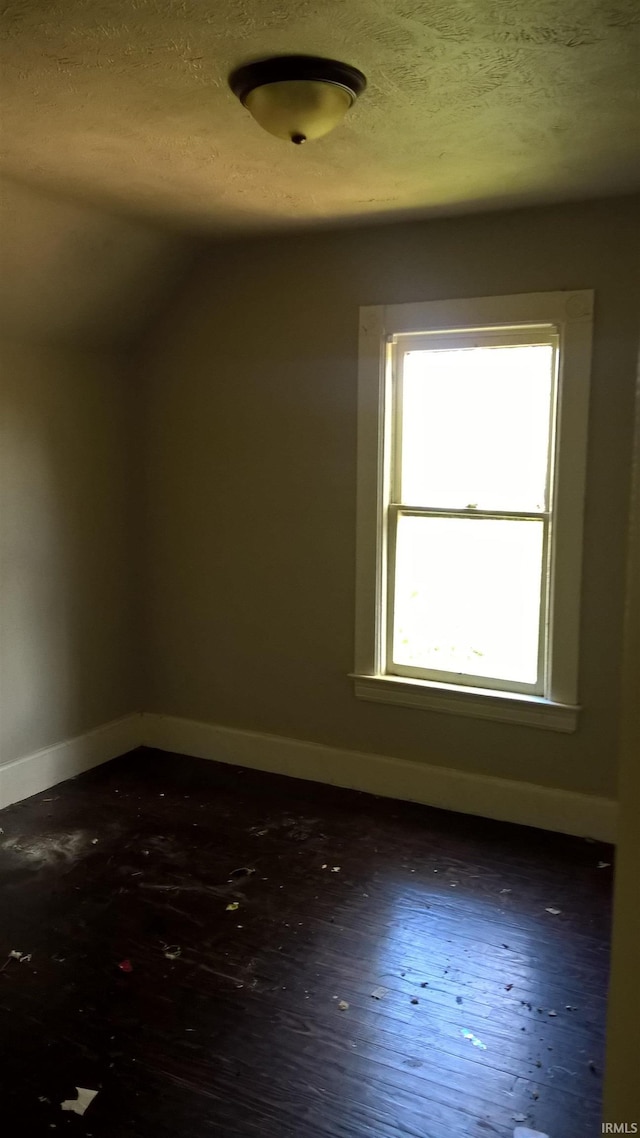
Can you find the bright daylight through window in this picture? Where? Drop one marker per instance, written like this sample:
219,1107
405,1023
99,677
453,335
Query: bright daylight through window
470,505
470,573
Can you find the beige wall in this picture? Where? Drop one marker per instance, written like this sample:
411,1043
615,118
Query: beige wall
251,465
66,639
77,286
622,1088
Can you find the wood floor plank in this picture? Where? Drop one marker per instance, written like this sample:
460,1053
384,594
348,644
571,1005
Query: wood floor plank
239,1034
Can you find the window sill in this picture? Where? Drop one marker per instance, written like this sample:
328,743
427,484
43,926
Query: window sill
479,703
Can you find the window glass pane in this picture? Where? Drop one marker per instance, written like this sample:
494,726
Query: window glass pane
467,596
475,427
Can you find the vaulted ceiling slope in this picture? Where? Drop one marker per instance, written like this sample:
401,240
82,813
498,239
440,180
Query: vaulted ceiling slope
471,103
74,274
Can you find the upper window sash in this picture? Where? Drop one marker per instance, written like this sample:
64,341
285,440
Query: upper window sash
497,336
400,345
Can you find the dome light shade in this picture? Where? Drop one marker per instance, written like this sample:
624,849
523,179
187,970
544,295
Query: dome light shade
297,97
298,109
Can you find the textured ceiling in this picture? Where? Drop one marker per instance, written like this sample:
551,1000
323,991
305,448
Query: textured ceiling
470,103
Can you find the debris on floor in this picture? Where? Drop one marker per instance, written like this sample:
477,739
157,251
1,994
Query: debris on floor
473,1039
519,1117
244,871
524,1132
505,890
172,951
125,966
79,1105
604,864
335,869
554,912
379,993
232,906
508,987
16,954
343,1005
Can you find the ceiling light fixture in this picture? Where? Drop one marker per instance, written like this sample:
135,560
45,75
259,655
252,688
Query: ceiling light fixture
297,97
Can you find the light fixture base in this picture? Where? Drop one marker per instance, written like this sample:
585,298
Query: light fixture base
297,97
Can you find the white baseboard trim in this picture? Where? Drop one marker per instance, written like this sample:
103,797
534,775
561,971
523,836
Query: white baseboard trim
508,800
51,765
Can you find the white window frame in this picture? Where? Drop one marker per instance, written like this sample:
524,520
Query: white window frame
570,316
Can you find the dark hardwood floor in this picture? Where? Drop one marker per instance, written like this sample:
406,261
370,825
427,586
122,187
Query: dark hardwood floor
491,1010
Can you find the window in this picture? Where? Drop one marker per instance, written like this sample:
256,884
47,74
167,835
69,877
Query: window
471,464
